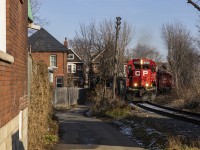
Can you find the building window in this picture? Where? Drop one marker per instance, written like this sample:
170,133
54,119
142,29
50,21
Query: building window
3,25
59,81
53,61
70,56
79,67
71,68
50,77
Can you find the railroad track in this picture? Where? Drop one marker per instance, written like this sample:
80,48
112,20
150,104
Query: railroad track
186,116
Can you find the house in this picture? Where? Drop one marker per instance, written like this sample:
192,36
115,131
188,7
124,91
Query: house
75,69
14,20
44,47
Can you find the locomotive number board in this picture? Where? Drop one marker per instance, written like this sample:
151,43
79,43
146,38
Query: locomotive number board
145,62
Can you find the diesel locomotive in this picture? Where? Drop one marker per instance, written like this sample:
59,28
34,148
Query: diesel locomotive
141,80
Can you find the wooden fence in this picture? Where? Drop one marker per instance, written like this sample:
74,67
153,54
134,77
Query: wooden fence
68,96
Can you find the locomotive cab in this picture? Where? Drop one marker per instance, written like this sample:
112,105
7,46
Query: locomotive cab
141,77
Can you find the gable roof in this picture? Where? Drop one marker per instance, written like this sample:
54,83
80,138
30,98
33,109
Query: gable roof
42,41
96,57
70,51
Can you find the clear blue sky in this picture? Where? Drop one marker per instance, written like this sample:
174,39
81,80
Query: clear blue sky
146,16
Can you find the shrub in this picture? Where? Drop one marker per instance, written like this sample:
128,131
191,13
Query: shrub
41,128
107,107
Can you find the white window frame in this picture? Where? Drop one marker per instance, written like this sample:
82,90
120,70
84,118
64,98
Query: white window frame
73,68
70,58
3,26
55,63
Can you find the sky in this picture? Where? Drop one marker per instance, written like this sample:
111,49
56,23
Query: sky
145,16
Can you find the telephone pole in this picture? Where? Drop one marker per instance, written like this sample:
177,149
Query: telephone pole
118,22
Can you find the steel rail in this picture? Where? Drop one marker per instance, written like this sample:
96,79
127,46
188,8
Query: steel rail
171,112
175,110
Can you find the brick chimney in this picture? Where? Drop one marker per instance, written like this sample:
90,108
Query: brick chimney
66,43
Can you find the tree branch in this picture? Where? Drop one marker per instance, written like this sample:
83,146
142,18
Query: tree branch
194,4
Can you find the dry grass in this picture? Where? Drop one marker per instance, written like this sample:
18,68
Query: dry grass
106,106
182,143
42,130
189,100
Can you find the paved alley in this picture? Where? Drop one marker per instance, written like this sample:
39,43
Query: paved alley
78,131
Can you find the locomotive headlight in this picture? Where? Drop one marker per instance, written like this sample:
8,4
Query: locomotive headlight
141,61
147,84
135,84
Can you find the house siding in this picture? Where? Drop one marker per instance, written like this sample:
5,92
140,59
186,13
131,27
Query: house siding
61,63
13,76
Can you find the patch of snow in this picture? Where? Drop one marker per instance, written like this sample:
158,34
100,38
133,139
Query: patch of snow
126,130
151,131
89,113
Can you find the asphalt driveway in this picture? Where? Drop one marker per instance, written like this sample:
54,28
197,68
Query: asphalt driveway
80,132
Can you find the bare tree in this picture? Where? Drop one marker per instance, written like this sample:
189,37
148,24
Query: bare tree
198,38
35,7
195,4
84,42
100,39
181,55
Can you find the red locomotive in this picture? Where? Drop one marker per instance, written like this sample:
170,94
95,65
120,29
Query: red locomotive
141,79
164,81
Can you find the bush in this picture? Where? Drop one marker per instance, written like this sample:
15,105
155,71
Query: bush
106,106
42,129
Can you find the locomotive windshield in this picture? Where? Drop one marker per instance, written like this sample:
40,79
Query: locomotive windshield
145,66
139,66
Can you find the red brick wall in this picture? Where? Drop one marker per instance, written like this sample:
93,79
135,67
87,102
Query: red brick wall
61,62
13,76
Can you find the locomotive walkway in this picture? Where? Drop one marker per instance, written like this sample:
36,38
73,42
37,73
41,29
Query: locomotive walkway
79,132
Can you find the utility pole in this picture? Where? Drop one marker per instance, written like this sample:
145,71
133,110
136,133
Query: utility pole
118,22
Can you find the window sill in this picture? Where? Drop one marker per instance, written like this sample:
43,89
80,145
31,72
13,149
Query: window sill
6,57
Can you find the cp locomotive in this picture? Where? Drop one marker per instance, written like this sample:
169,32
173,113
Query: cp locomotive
141,79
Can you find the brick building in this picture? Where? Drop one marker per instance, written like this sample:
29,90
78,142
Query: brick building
44,47
13,74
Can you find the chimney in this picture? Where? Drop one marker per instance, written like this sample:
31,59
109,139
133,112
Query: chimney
66,43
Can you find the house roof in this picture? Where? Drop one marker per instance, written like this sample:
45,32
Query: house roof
73,52
96,57
42,41
104,54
